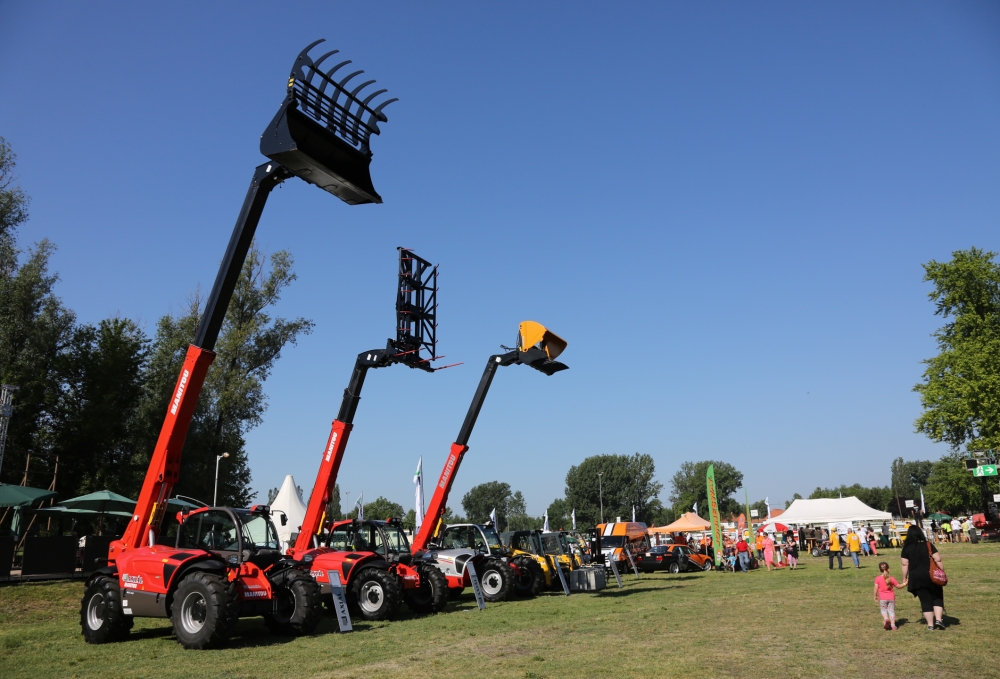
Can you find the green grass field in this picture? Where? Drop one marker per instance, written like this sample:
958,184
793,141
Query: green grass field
808,623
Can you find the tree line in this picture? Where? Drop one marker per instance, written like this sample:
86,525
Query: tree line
91,397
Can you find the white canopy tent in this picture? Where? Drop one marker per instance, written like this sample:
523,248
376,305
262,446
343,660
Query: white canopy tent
289,502
831,510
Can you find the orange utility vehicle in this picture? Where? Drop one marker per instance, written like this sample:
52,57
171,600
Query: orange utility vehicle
226,563
621,537
537,347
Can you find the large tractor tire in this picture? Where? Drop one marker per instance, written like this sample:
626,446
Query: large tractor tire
204,610
431,596
531,582
496,580
101,616
375,594
299,603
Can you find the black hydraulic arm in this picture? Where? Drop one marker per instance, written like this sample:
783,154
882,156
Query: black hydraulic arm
265,178
496,361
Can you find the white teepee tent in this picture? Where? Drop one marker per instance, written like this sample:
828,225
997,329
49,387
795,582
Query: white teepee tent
289,502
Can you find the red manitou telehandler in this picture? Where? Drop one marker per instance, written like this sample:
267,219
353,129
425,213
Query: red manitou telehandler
373,558
501,576
226,563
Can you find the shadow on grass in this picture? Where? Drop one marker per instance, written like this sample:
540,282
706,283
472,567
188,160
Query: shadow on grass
614,593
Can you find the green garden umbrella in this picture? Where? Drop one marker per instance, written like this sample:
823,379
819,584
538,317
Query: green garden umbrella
101,502
937,516
22,496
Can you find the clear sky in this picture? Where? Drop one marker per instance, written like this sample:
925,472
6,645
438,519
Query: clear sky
723,208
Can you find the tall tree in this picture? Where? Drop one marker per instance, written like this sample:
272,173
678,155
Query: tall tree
909,477
379,508
688,487
625,481
559,514
951,488
484,498
961,384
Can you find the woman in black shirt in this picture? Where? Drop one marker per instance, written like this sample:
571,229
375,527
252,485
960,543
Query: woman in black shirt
916,561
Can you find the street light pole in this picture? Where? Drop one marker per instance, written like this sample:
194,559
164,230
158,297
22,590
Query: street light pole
600,492
215,495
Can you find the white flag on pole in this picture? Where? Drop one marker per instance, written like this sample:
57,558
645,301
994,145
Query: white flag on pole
493,518
633,513
545,528
361,506
768,505
572,515
923,509
418,481
695,507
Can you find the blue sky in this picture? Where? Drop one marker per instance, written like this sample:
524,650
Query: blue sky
722,208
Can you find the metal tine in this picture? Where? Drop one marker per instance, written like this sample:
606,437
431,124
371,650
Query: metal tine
347,103
313,70
362,106
377,113
328,80
304,60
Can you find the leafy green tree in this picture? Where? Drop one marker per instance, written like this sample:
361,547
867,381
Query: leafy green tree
35,328
410,520
380,508
688,487
484,498
101,378
951,488
909,477
333,510
761,508
559,515
625,481
961,384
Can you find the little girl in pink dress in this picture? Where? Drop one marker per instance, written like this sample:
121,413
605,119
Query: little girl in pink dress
885,595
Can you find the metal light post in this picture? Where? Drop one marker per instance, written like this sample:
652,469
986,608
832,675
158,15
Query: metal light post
600,492
215,495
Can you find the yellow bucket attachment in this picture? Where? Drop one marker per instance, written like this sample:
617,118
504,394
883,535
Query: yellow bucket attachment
533,334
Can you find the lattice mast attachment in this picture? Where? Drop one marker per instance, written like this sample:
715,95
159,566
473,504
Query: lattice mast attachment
6,411
416,311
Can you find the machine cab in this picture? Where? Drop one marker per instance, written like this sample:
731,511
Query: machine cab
385,538
237,535
483,539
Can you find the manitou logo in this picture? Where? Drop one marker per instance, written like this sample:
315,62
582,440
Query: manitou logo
131,579
180,392
329,448
446,474
247,595
318,575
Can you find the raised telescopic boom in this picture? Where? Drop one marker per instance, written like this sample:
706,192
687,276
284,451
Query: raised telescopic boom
536,347
416,332
320,134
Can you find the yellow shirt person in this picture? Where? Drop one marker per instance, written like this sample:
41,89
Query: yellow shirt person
834,541
853,542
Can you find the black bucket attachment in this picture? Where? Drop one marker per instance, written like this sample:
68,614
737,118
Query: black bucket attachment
322,130
538,347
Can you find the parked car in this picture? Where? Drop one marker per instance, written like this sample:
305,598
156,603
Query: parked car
672,558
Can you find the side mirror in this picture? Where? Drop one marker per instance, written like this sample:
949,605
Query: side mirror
284,519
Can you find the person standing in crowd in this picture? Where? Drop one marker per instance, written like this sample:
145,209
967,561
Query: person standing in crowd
854,547
864,542
885,533
870,537
767,545
885,595
916,558
758,545
835,549
743,553
966,525
792,554
946,529
934,529
956,530
802,535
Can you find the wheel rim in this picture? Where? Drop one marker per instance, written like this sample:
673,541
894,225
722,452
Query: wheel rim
492,582
708,565
372,597
95,611
194,610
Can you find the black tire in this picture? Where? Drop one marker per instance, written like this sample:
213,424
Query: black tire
815,551
300,605
102,618
203,610
431,596
496,580
374,594
531,582
674,568
708,566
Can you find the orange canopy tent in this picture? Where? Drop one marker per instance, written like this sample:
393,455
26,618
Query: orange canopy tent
688,522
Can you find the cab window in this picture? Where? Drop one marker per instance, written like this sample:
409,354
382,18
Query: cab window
213,531
455,537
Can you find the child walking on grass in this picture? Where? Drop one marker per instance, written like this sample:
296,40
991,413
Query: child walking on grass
885,595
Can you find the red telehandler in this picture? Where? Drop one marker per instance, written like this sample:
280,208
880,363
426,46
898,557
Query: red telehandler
536,347
226,563
373,558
